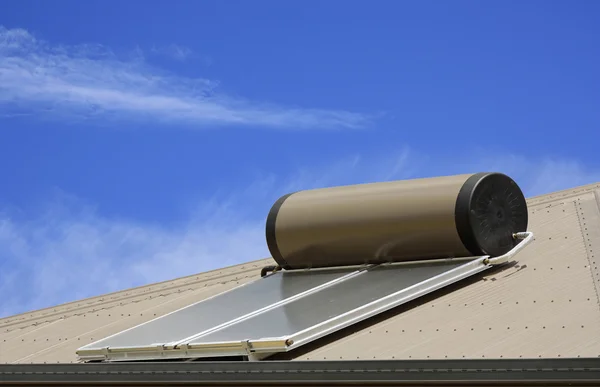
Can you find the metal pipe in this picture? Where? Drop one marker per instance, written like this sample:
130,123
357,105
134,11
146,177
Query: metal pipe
525,237
266,269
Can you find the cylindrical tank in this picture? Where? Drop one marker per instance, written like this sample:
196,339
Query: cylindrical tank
427,218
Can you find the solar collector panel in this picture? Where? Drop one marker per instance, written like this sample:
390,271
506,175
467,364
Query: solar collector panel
315,308
306,310
208,314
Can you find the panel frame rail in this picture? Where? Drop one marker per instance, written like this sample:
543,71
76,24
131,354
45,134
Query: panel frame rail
258,348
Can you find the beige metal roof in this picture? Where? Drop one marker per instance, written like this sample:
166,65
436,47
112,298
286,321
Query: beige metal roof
546,304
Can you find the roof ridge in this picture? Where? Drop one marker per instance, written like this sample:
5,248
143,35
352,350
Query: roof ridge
563,193
105,295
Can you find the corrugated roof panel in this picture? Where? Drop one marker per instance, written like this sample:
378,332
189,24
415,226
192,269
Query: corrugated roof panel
88,328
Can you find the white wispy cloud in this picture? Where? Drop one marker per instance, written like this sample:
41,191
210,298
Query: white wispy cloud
548,174
71,251
536,175
173,51
91,81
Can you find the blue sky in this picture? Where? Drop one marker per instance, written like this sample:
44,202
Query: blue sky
142,141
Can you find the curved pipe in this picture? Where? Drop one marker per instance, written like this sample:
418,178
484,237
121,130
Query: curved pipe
266,269
525,237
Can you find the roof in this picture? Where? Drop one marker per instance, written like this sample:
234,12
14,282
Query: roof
544,305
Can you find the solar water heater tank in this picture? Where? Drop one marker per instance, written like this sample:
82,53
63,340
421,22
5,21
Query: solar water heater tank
427,218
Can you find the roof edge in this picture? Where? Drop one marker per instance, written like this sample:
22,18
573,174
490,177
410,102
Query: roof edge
482,372
577,190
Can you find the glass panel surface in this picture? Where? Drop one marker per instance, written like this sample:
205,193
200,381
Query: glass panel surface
342,297
225,307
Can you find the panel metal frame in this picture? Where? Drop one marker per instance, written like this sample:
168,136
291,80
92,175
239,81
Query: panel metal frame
257,349
378,306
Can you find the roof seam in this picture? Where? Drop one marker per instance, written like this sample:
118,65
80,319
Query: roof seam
584,234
